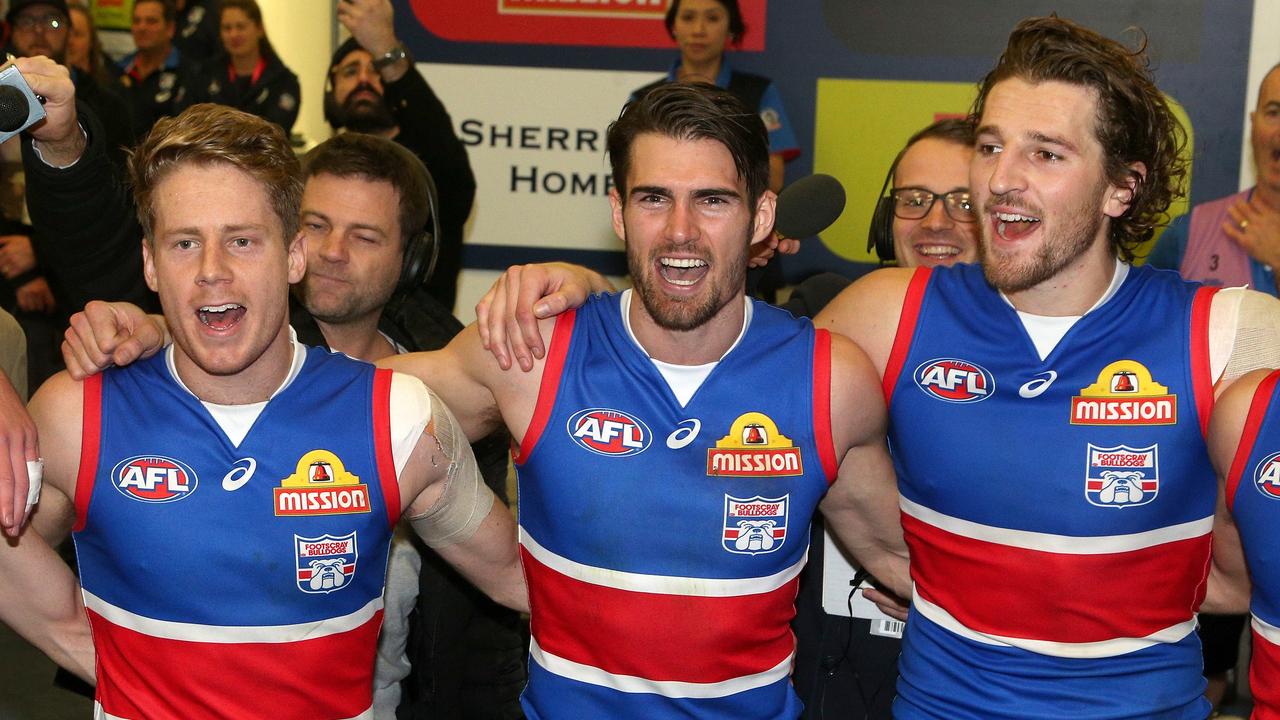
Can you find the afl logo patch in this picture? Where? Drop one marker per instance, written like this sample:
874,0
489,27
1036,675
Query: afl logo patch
609,432
154,479
1267,477
954,380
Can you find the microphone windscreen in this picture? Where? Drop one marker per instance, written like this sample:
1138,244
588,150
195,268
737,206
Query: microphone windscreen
809,205
14,109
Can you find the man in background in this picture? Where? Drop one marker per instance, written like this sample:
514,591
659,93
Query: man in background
156,77
373,87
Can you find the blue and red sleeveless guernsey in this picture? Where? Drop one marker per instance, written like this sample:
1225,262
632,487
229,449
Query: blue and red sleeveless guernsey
662,543
236,582
1058,511
1253,495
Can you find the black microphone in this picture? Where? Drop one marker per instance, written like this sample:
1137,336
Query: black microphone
808,206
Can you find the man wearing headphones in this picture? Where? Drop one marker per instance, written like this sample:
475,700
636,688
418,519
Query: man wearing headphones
922,216
365,211
373,87
846,666
910,226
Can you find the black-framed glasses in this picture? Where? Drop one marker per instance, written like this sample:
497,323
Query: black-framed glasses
51,21
913,203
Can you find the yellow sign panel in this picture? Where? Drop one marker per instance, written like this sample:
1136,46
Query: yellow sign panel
860,127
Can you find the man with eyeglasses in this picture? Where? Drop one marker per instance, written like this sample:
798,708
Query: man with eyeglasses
374,88
933,166
40,27
43,281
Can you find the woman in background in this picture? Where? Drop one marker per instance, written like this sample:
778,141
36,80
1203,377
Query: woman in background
703,30
84,49
248,75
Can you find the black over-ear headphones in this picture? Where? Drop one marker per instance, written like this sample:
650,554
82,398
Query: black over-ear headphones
880,234
422,249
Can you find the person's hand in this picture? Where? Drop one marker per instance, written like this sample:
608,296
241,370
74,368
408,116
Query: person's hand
762,252
17,256
371,23
106,334
59,136
888,603
18,444
1256,229
36,297
507,316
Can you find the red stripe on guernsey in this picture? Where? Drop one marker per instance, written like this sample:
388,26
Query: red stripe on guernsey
984,585
1264,670
659,637
551,370
90,438
1249,435
382,444
1201,373
822,404
147,677
906,329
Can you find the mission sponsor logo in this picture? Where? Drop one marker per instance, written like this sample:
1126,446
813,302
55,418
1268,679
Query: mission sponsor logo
754,525
321,485
754,448
609,432
1125,394
648,9
154,479
954,380
325,563
1267,476
1122,476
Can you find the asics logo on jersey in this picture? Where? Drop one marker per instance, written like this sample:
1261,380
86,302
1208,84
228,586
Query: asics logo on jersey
239,474
685,433
609,432
154,479
954,380
1035,387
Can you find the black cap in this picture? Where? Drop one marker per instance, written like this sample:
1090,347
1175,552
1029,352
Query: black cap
15,6
343,51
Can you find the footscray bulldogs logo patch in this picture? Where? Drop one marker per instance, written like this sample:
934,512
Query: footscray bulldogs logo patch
1122,476
754,525
325,563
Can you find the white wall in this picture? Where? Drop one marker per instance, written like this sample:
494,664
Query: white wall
302,33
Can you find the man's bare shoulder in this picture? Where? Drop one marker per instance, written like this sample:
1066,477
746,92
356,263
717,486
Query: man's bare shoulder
867,311
857,399
58,411
1230,412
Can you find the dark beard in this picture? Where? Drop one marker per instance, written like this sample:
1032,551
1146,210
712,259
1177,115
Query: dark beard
363,116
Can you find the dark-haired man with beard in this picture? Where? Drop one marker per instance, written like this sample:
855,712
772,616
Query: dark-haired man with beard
374,88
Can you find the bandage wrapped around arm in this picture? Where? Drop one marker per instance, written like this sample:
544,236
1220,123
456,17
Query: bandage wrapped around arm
466,500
